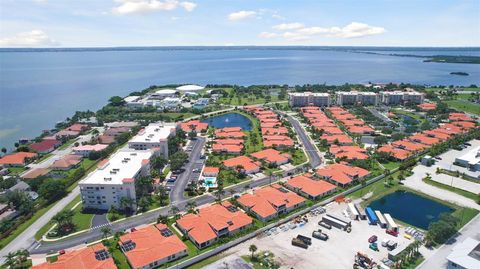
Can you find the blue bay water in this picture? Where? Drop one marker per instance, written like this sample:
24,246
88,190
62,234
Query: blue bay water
39,88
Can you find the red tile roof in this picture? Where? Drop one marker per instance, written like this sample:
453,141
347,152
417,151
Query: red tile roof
397,153
428,106
271,156
458,116
77,127
277,140
17,158
342,138
350,152
310,186
151,245
80,259
196,124
44,145
243,161
227,148
66,161
211,170
203,226
266,201
424,139
408,145
342,173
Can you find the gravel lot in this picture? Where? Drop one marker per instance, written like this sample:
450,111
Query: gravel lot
340,249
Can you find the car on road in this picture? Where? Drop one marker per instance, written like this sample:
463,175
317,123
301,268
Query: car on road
196,170
438,158
133,230
373,246
372,239
61,252
467,144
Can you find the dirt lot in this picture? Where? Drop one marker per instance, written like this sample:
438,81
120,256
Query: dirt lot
337,252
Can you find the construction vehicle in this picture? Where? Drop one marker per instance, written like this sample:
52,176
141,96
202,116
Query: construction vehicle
363,261
299,243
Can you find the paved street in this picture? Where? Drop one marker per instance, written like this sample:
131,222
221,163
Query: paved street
178,200
438,259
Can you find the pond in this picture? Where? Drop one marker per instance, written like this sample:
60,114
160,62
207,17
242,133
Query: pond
230,120
411,208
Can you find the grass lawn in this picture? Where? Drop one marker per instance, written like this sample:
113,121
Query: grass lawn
44,157
250,99
67,144
378,188
17,170
251,145
413,264
52,258
461,192
298,157
117,254
464,89
22,227
464,105
391,165
178,116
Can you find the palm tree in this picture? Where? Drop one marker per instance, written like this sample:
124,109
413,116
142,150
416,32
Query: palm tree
191,206
174,211
162,194
252,249
126,203
106,231
162,219
10,259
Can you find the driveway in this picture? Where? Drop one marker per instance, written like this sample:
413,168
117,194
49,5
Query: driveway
415,182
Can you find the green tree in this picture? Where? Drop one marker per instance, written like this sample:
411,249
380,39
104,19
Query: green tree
64,221
252,248
52,190
106,231
116,101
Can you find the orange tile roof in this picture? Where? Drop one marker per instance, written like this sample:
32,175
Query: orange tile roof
354,122
350,152
310,186
466,125
211,170
17,158
203,226
80,259
243,161
277,140
77,127
428,106
397,153
227,148
269,124
408,145
450,129
274,131
219,133
342,139
67,161
437,133
151,245
342,173
264,202
424,139
229,141
459,116
198,125
330,130
360,129
36,172
271,156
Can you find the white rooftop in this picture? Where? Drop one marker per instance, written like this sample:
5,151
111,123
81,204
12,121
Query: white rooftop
466,254
356,93
190,88
309,94
122,165
154,132
166,91
132,98
472,157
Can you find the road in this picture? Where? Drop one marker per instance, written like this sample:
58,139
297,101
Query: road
176,195
439,258
312,152
27,238
178,199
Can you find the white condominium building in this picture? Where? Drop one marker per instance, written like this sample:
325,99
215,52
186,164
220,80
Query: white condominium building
399,97
115,179
354,97
154,135
300,99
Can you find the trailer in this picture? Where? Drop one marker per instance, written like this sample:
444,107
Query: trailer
372,218
335,222
352,211
324,225
361,212
381,219
305,239
299,243
319,235
340,218
390,223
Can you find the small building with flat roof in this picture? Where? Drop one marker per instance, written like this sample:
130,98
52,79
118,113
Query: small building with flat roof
465,255
470,160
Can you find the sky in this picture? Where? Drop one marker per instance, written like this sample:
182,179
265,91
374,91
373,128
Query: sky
106,23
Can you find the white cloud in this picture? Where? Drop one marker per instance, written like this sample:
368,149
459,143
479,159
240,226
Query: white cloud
145,6
268,35
298,31
241,15
289,26
188,6
356,29
34,38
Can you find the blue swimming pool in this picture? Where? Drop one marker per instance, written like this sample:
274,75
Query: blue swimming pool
230,120
411,208
210,182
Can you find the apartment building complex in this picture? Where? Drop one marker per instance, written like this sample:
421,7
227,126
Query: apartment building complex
114,179
154,136
301,99
354,98
399,97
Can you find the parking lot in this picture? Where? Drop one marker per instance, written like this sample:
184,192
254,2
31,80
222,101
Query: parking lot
337,252
448,158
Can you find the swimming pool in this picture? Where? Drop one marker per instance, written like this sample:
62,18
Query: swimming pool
210,182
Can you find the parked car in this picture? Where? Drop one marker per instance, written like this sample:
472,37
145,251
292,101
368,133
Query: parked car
438,158
467,144
133,230
372,239
391,232
61,252
373,246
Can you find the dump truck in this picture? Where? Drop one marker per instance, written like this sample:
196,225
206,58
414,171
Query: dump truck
319,235
299,243
305,239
